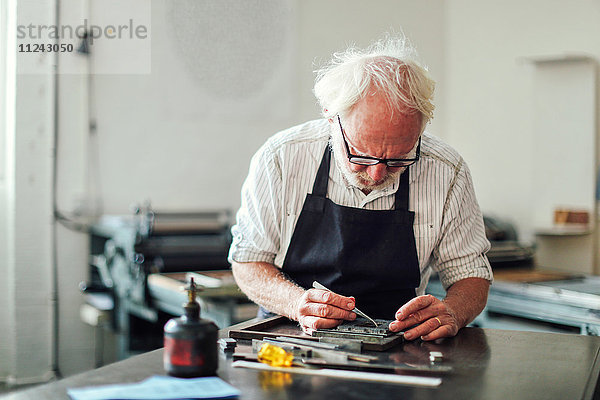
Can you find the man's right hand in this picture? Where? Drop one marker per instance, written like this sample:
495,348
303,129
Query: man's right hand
323,309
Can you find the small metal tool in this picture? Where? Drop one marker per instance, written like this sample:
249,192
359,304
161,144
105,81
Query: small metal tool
227,344
317,285
435,356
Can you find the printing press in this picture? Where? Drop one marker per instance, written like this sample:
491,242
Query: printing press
129,253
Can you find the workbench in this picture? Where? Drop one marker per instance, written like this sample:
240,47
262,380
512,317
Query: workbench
487,364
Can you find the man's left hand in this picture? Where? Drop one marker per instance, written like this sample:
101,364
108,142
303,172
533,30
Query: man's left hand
433,317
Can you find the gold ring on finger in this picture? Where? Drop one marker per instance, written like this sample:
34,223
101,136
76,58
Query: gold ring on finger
438,320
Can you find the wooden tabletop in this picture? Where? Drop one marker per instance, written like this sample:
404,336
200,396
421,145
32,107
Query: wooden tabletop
487,364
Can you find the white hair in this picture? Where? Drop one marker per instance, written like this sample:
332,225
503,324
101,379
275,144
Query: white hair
388,66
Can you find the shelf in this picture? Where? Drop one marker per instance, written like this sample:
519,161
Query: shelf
576,230
556,58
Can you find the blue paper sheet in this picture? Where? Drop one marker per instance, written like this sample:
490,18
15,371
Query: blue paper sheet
159,387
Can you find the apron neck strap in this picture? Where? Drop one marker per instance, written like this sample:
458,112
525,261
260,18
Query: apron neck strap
322,179
401,202
320,185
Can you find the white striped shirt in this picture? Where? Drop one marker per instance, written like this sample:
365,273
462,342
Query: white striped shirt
448,225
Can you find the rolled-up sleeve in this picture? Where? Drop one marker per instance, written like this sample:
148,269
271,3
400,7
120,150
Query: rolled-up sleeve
461,250
256,234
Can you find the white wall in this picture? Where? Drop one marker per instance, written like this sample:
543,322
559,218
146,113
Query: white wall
489,94
76,339
163,136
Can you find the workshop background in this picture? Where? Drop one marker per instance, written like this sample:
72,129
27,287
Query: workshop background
220,78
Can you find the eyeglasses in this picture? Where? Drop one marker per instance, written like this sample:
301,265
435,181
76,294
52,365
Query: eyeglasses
390,162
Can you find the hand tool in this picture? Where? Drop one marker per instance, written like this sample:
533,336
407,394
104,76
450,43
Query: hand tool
317,285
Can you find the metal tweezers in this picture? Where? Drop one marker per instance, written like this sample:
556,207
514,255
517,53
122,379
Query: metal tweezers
317,285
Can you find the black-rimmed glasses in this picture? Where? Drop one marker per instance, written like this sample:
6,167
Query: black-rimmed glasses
390,162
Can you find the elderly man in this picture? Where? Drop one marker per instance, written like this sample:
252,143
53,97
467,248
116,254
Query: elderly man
371,223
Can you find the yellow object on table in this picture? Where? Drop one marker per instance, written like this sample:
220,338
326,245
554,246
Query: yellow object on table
274,356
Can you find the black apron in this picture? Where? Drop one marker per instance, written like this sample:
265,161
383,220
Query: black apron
368,254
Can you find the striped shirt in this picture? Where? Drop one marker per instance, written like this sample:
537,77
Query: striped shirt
448,225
